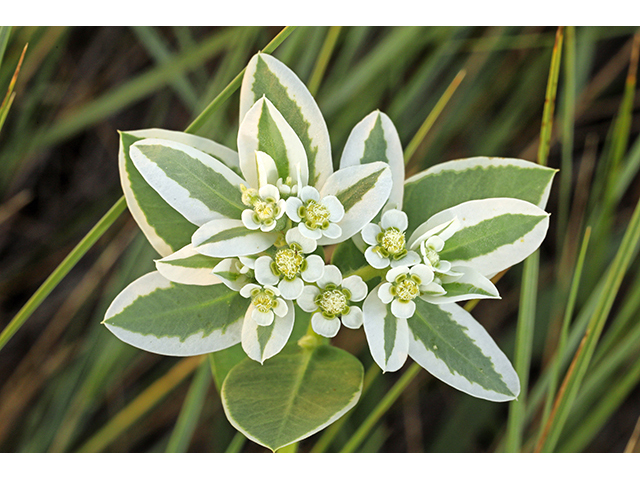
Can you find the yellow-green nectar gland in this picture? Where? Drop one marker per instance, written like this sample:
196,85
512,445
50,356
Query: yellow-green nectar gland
264,301
289,262
333,302
316,215
406,290
393,241
265,210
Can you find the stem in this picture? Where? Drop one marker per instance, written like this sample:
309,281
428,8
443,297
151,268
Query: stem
61,271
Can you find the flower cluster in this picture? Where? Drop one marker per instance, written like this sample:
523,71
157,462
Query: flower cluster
256,221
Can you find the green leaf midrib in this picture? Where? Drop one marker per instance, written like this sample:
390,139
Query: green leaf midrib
350,196
459,354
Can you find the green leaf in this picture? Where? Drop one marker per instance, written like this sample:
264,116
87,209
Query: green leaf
348,258
451,345
293,395
363,190
194,183
475,178
166,229
225,238
169,318
375,139
265,75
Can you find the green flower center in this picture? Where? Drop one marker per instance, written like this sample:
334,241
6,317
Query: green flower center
333,302
263,301
393,241
406,290
289,262
315,215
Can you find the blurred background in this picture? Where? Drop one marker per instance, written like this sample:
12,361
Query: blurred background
67,384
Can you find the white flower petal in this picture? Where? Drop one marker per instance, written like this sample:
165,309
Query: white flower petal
293,204
353,319
281,308
325,327
356,286
306,300
282,207
423,271
395,218
309,193
443,267
263,272
291,289
262,318
370,233
314,270
394,272
267,227
247,219
331,275
403,309
375,260
312,234
308,245
435,242
332,231
247,289
384,293
335,208
411,258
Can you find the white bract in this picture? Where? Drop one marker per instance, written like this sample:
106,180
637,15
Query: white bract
290,266
388,245
331,301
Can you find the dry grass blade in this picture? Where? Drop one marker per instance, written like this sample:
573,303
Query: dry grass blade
8,99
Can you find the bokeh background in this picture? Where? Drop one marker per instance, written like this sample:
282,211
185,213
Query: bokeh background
67,384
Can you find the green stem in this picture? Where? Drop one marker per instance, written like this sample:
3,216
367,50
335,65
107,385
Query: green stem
392,395
61,271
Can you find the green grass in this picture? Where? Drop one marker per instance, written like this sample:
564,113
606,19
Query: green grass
568,319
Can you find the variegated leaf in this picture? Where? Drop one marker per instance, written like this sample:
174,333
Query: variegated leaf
387,336
168,318
267,76
375,139
293,395
166,230
451,345
264,129
226,238
362,190
459,181
494,234
470,285
189,267
261,343
195,184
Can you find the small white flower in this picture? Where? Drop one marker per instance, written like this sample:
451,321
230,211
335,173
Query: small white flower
331,301
290,266
266,207
265,303
431,244
404,284
316,217
388,245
